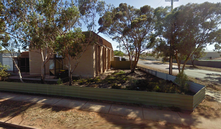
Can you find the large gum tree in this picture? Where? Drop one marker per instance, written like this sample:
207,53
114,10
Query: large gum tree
41,22
193,27
129,26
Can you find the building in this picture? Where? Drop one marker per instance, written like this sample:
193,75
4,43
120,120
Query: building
94,61
211,56
22,61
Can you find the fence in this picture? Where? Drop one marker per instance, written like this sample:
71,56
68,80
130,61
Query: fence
186,102
129,96
120,64
198,89
1,58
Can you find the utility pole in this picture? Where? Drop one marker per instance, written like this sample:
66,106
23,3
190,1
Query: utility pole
171,41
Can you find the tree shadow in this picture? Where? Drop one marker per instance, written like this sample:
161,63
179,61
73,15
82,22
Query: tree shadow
215,78
155,63
10,109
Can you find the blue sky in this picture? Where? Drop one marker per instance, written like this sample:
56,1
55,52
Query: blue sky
154,4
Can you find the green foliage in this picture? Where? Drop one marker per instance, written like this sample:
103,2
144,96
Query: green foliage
119,73
59,81
115,86
218,47
88,81
190,26
3,73
118,53
129,26
181,80
52,26
71,43
83,82
199,53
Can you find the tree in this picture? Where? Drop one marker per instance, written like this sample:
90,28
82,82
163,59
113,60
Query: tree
217,40
199,53
194,26
129,26
72,46
3,73
196,29
164,33
74,43
118,53
40,22
10,31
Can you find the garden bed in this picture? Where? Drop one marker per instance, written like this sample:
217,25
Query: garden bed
123,79
126,89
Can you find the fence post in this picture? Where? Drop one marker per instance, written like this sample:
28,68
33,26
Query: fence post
1,58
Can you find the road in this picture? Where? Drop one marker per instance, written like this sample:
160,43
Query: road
195,73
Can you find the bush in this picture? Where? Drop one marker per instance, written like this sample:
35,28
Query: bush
83,81
59,81
3,73
181,80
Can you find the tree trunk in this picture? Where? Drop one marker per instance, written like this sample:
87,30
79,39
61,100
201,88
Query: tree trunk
193,63
136,61
131,64
178,62
171,65
184,63
70,79
42,73
69,71
19,72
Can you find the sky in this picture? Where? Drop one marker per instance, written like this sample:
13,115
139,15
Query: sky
153,4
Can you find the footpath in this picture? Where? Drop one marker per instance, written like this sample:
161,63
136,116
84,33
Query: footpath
181,118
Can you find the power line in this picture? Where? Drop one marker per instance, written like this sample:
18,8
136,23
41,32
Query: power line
159,3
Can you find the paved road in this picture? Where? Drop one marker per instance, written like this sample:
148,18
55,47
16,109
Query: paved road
195,73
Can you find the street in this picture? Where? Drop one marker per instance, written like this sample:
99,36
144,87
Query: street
195,73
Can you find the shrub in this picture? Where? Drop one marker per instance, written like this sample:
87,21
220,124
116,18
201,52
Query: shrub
115,86
3,73
181,80
59,81
118,73
82,82
157,88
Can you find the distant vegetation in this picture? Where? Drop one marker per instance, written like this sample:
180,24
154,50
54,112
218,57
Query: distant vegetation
118,53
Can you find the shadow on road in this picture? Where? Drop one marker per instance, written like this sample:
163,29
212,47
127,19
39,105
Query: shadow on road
155,63
215,78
